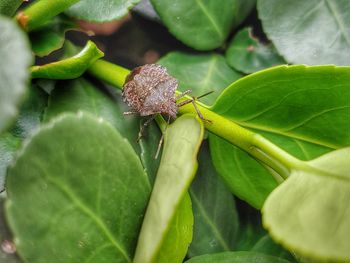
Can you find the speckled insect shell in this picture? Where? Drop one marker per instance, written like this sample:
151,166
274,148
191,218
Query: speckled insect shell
149,89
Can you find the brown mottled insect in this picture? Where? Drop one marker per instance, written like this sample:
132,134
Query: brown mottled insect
150,90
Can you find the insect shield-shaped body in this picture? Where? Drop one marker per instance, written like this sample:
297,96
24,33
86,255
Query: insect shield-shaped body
149,90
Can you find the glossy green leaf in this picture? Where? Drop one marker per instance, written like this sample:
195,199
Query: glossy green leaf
148,144
80,95
250,229
9,7
5,236
246,54
203,25
309,213
101,11
31,112
200,73
15,57
267,246
51,36
69,68
276,102
174,176
245,177
8,145
77,186
310,32
216,219
237,257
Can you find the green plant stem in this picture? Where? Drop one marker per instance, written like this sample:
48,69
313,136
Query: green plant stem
40,11
110,73
253,143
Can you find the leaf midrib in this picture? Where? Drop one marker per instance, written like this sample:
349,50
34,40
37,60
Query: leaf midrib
210,18
86,210
293,136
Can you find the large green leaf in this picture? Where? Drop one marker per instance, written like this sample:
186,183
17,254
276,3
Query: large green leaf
8,145
203,25
237,257
148,145
174,177
200,73
69,68
80,95
101,11
9,7
311,32
244,176
216,219
77,186
246,54
267,246
15,59
250,229
310,212
276,102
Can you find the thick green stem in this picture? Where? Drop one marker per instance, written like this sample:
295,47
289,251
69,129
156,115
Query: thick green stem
109,72
40,11
253,143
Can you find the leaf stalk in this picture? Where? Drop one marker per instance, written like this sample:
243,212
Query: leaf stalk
40,11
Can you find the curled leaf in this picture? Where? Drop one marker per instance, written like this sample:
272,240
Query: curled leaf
174,176
69,68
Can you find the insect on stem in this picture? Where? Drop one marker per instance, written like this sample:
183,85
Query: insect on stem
150,90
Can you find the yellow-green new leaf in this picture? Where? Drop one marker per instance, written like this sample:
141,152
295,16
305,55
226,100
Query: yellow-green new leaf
176,171
310,212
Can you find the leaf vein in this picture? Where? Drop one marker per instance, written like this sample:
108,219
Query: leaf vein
338,21
206,217
211,19
314,116
85,209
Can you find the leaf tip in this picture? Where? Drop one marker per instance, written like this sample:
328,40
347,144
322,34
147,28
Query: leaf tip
22,20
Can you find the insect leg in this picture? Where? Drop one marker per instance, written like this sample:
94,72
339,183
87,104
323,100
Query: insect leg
143,127
203,95
193,101
162,139
183,94
130,112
